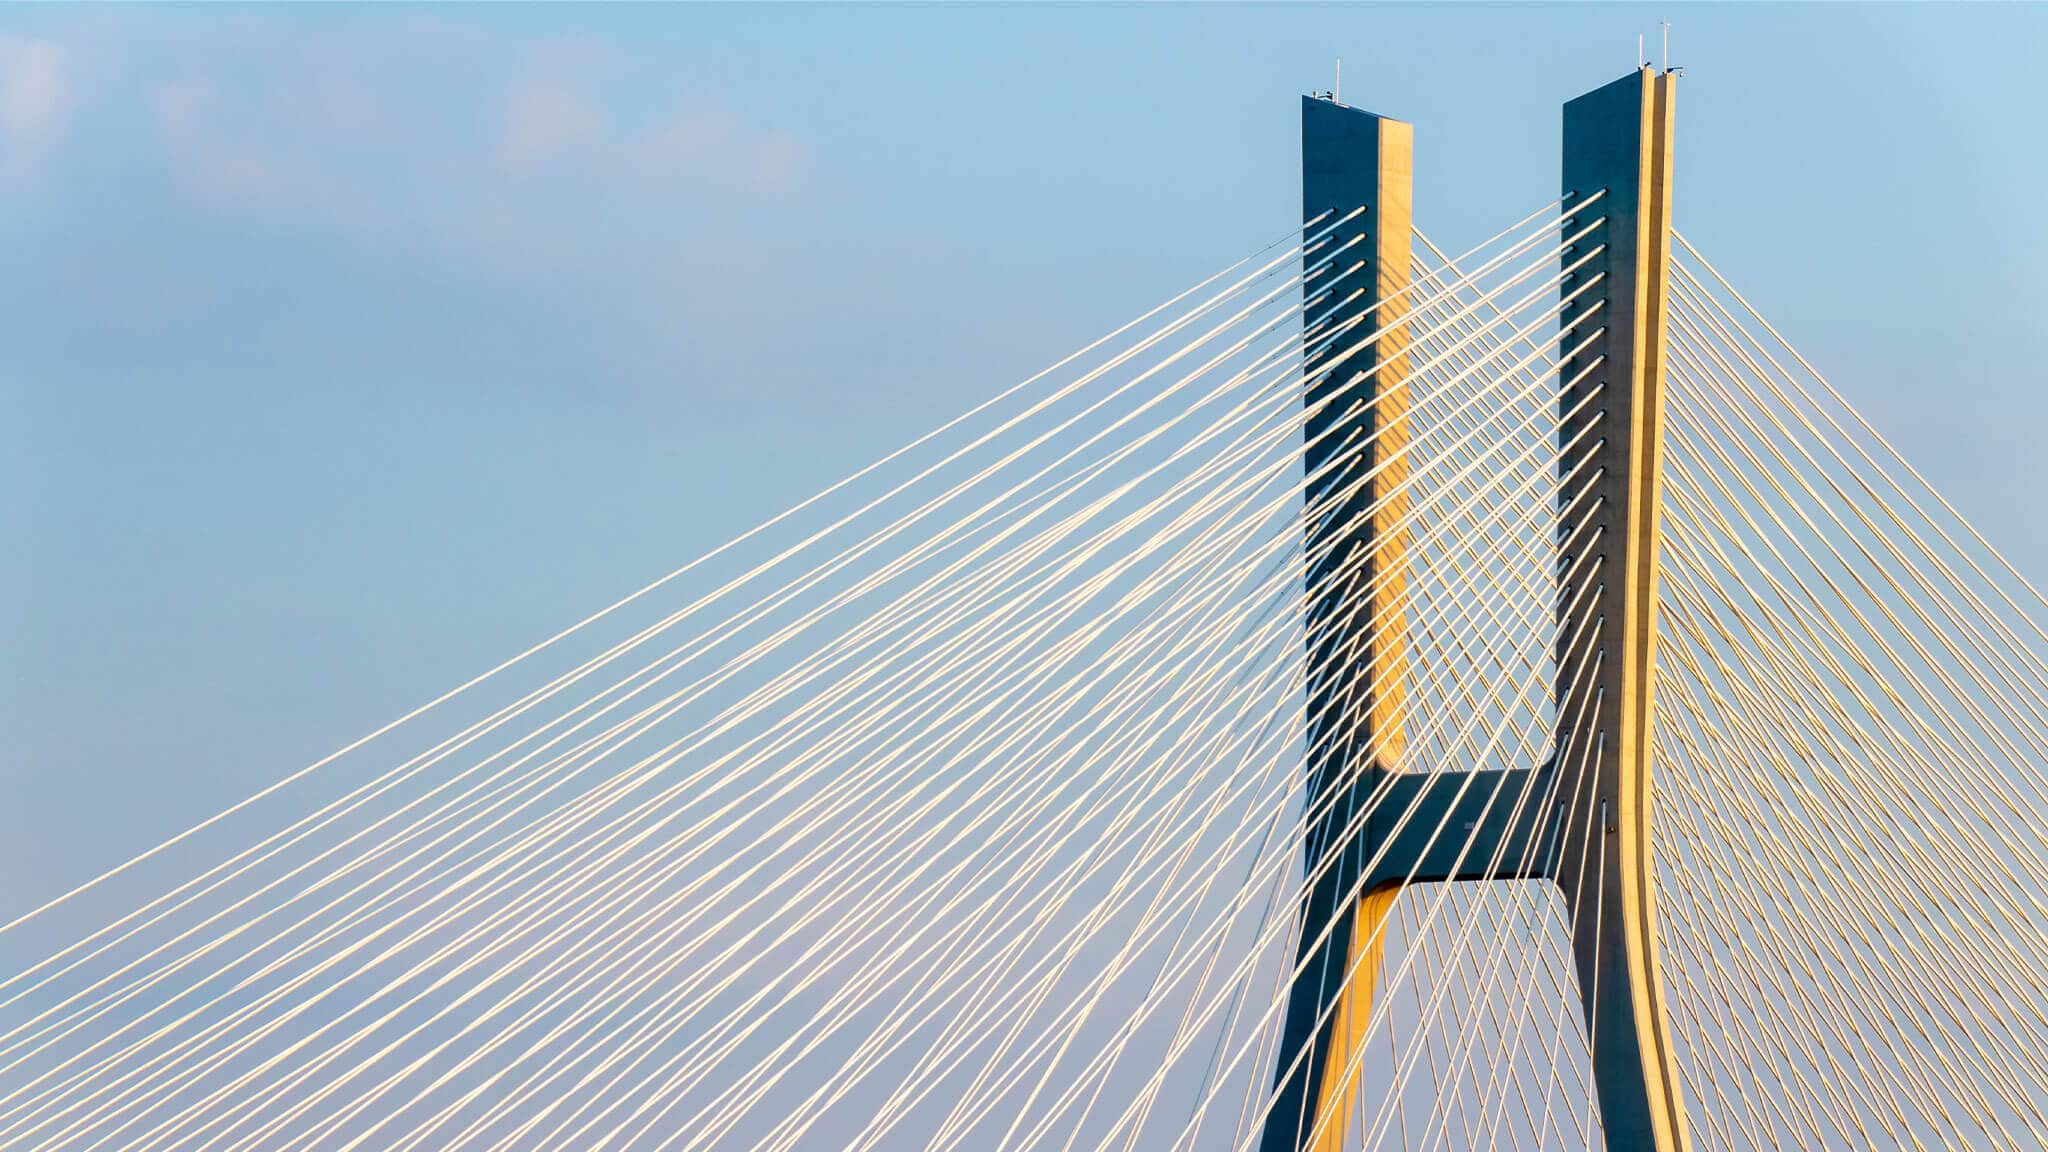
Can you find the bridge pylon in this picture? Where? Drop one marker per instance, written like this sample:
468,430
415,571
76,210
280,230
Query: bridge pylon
1591,833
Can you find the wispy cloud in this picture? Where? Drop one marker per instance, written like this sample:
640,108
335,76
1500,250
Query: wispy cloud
230,167
343,125
543,118
35,101
710,146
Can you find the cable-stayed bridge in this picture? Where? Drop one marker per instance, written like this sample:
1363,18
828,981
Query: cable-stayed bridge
1378,697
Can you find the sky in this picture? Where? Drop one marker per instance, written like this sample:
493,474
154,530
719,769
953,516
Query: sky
344,351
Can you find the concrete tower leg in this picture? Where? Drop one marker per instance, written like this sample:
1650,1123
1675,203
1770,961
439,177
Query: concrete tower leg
1617,143
1357,592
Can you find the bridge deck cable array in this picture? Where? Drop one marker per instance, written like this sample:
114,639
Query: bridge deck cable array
963,805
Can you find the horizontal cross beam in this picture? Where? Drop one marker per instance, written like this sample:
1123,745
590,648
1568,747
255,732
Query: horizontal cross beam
1437,827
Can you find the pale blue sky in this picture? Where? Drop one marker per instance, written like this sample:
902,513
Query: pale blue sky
343,351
